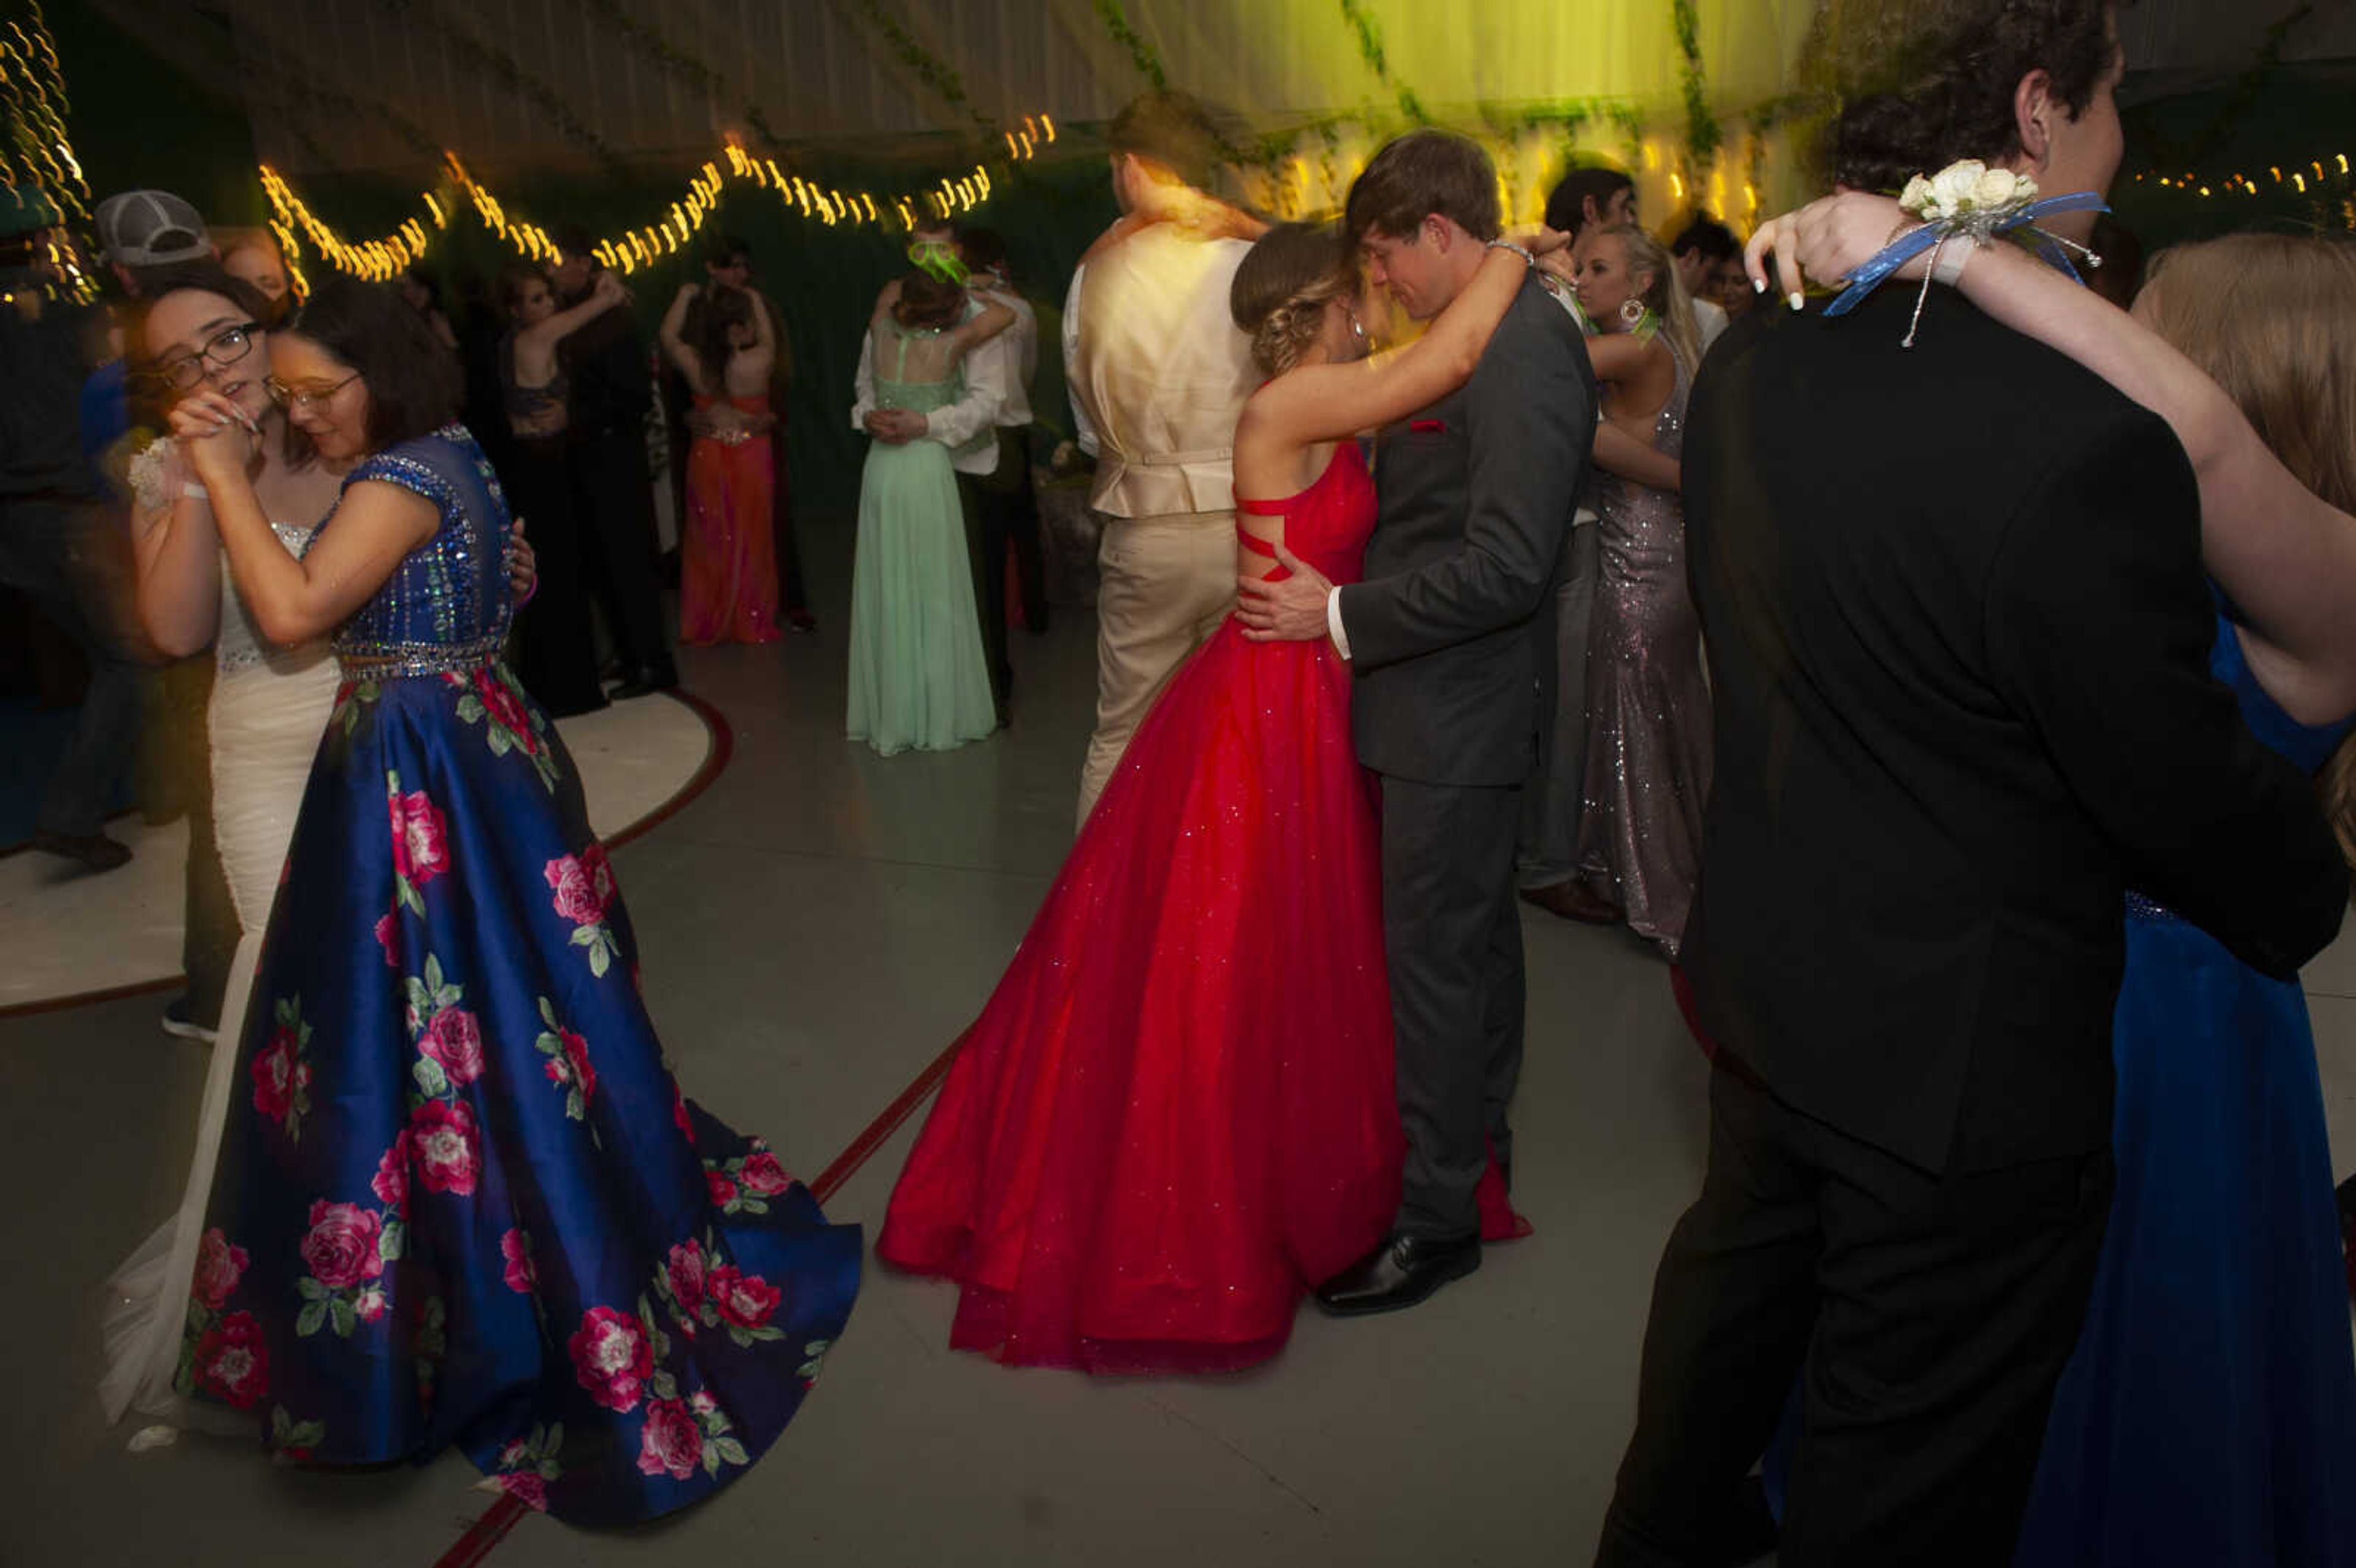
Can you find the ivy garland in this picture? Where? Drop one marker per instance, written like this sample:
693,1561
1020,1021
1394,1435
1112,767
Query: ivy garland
1703,133
503,65
287,76
648,37
1141,52
927,67
1370,48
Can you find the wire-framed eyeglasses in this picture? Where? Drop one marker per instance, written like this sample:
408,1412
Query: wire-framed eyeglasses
222,349
301,399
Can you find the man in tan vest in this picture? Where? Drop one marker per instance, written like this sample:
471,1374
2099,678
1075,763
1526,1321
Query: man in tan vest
1158,373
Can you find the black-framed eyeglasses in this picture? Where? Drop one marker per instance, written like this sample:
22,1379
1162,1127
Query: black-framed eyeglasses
222,349
300,400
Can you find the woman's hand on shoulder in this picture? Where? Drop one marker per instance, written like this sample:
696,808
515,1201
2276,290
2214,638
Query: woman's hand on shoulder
1538,239
1827,240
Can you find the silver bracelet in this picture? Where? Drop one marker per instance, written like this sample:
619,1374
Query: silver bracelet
1522,251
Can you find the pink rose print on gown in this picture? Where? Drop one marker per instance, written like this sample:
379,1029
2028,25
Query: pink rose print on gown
722,1191
420,847
273,1075
611,1358
453,1038
575,890
515,1251
341,1249
745,1300
672,1442
390,1183
684,1268
232,1362
581,890
764,1175
370,1304
526,1488
448,1154
601,875
282,1079
219,1266
505,711
388,937
679,1113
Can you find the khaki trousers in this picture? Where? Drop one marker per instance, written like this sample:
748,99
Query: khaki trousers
1164,584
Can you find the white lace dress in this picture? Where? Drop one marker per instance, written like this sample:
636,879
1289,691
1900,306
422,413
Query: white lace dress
269,707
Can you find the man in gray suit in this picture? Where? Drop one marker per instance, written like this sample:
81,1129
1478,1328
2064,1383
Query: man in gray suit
1454,665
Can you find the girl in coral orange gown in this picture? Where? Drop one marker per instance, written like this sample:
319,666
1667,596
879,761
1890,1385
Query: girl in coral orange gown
1175,1114
727,556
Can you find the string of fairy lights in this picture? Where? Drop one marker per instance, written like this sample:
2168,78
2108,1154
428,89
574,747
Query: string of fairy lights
2316,178
37,152
297,226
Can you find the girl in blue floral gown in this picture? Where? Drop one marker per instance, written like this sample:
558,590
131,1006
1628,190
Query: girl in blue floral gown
461,1199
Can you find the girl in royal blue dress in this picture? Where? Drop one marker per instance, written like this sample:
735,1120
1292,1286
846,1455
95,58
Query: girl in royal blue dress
460,1199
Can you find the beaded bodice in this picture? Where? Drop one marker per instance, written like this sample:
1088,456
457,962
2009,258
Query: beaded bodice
239,644
912,369
445,605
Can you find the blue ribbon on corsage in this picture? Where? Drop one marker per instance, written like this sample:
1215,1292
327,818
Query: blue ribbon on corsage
1979,226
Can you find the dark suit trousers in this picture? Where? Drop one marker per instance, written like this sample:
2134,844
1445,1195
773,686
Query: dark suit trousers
1009,515
1927,1318
986,555
792,594
556,647
615,496
1453,940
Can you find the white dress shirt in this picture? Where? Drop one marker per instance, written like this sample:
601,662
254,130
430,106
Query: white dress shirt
1019,346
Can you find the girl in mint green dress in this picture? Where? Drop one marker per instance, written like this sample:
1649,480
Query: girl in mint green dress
918,677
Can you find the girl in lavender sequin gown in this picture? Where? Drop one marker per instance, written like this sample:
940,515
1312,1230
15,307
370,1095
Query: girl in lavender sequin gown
1647,707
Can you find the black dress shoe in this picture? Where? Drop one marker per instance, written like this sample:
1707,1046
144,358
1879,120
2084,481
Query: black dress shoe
94,850
1399,1273
662,678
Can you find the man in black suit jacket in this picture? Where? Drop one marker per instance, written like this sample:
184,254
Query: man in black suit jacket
611,388
1958,638
1454,669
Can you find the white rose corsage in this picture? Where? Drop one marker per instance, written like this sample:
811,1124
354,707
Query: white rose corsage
1964,207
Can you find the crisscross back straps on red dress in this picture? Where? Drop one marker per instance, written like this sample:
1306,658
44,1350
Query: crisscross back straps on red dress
1325,525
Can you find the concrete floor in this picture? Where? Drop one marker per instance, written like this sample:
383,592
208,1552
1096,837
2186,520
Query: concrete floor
815,928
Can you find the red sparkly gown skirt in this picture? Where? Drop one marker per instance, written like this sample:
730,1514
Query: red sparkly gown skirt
1176,1112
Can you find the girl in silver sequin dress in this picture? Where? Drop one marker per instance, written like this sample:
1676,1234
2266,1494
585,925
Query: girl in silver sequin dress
1648,743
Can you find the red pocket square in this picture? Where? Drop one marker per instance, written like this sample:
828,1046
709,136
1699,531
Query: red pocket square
1437,427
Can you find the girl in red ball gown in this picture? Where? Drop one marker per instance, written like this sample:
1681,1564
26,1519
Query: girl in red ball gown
1175,1114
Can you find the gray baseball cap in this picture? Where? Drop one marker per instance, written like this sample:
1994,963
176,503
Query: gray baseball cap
149,228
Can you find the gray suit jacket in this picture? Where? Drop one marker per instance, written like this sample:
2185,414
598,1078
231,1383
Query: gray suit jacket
1454,659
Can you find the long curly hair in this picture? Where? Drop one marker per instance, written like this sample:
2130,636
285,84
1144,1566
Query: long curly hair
2268,317
1280,292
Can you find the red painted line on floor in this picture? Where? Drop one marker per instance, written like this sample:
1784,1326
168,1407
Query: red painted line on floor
502,1515
482,1535
715,761
878,1133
